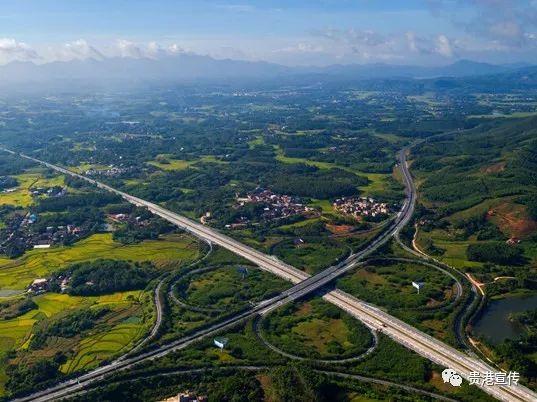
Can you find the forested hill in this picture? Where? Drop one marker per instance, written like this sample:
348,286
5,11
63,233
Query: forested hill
495,159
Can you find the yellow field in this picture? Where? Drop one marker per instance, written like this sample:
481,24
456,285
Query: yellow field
377,183
175,164
16,333
18,274
22,197
318,333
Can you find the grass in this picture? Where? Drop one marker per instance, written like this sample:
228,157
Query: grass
378,182
225,287
17,274
310,256
454,251
318,333
316,329
325,205
391,285
173,164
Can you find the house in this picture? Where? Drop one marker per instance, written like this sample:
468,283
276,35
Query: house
221,342
298,241
186,396
39,285
42,245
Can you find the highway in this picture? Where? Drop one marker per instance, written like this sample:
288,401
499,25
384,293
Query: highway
375,318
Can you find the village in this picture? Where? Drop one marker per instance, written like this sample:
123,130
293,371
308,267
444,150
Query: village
21,233
275,206
112,171
362,208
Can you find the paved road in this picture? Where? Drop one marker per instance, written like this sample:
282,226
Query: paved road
401,332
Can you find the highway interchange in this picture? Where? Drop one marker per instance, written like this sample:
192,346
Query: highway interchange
423,344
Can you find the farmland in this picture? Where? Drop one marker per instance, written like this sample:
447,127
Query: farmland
17,274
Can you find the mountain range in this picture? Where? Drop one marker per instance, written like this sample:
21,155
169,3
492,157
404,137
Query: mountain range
191,67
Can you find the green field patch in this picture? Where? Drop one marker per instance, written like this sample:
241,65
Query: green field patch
165,162
389,284
324,332
17,274
96,348
21,196
312,255
229,286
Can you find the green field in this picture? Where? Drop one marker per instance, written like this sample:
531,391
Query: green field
18,274
108,340
226,287
389,284
311,256
172,164
378,182
316,329
21,196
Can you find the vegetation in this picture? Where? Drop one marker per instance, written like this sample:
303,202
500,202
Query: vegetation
499,253
73,324
519,353
316,330
229,287
103,276
16,307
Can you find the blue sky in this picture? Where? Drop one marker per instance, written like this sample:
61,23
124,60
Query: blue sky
290,32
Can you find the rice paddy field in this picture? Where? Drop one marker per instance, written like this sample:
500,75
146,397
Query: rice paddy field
130,317
18,274
21,196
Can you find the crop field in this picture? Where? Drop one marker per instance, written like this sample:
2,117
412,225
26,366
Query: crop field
96,348
17,274
109,340
21,196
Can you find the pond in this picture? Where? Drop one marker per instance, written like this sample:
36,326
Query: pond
494,323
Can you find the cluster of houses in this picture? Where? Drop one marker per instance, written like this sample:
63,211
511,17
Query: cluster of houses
275,206
55,191
128,218
112,171
19,232
186,396
361,207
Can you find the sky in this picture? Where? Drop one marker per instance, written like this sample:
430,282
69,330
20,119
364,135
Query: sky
290,32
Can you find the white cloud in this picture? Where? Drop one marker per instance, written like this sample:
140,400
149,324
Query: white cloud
79,49
443,46
11,50
126,48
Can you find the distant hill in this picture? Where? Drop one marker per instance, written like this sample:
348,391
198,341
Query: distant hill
192,67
